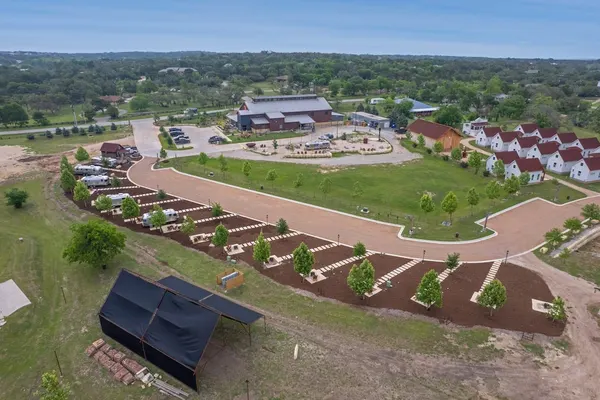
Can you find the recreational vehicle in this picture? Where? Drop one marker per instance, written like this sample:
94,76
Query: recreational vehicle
88,170
95,180
171,214
117,199
111,162
317,145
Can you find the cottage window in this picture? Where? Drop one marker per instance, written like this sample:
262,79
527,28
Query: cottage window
554,165
578,173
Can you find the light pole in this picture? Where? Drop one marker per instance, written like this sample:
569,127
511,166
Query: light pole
423,259
506,257
487,215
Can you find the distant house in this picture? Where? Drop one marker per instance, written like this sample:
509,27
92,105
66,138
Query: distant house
505,156
532,165
588,146
545,134
113,150
562,161
484,138
376,100
522,145
114,100
371,120
434,132
527,129
177,70
586,170
474,127
501,140
419,109
566,139
543,151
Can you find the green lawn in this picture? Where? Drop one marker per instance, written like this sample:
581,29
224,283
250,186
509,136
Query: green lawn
62,118
582,263
165,144
391,192
595,186
50,324
267,136
58,144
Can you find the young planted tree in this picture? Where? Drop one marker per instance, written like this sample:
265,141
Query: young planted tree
475,161
408,136
472,198
81,193
452,261
591,211
115,182
67,180
498,169
557,311
359,250
429,291
103,203
52,388
456,154
524,178
203,160
162,153
64,165
130,208
221,236
262,249
556,184
216,210
361,278
95,242
438,147
158,217
357,190
275,144
161,194
564,254
493,296
299,181
304,260
325,186
553,237
450,204
512,185
105,163
492,191
16,197
271,175
573,224
223,164
188,226
82,154
282,226
246,168
421,140
426,203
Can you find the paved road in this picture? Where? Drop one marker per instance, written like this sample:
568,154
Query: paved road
519,229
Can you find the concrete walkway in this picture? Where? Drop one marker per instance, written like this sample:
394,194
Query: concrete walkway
520,229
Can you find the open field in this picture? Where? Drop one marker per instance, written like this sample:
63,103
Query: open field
63,117
583,263
42,145
68,327
391,192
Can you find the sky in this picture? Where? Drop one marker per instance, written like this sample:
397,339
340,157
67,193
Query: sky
509,28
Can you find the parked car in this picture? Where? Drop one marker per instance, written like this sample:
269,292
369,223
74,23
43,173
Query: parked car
182,141
216,140
173,129
176,133
400,130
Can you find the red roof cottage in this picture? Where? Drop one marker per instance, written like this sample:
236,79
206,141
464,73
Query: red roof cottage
505,156
485,136
533,166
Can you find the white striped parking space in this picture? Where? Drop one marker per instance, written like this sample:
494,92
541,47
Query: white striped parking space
115,188
343,262
272,239
314,250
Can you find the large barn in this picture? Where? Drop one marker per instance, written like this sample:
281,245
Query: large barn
283,113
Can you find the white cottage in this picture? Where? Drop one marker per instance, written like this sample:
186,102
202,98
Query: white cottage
522,145
586,170
562,161
566,139
545,134
588,146
501,141
543,151
474,127
505,156
522,165
527,129
484,138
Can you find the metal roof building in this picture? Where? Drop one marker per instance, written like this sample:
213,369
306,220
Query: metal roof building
418,107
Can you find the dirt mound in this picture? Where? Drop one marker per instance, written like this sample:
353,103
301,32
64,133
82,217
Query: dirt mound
32,158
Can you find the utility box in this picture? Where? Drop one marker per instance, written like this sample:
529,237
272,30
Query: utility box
230,279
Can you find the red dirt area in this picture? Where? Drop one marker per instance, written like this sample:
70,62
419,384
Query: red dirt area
327,257
228,222
283,247
250,235
198,214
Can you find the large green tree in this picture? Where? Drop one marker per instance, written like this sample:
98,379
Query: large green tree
493,296
361,278
81,193
449,115
130,208
95,242
221,236
429,291
103,203
67,181
158,217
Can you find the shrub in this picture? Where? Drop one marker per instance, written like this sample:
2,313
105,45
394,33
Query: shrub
445,157
414,145
30,137
170,141
429,151
161,194
344,137
58,131
113,127
91,129
464,164
49,135
359,250
66,133
217,210
75,129
486,173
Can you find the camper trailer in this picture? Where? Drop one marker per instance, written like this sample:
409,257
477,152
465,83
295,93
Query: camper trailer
88,170
95,180
99,161
117,199
171,214
317,145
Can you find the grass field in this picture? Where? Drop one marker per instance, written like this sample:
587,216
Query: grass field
266,136
595,186
391,192
43,145
50,324
583,263
63,117
165,144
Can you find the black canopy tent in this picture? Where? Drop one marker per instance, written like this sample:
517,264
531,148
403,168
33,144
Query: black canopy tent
169,328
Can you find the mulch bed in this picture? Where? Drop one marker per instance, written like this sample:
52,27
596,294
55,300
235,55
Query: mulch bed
522,284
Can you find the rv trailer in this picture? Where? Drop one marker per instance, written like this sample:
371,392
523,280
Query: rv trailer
117,199
171,214
95,180
88,170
